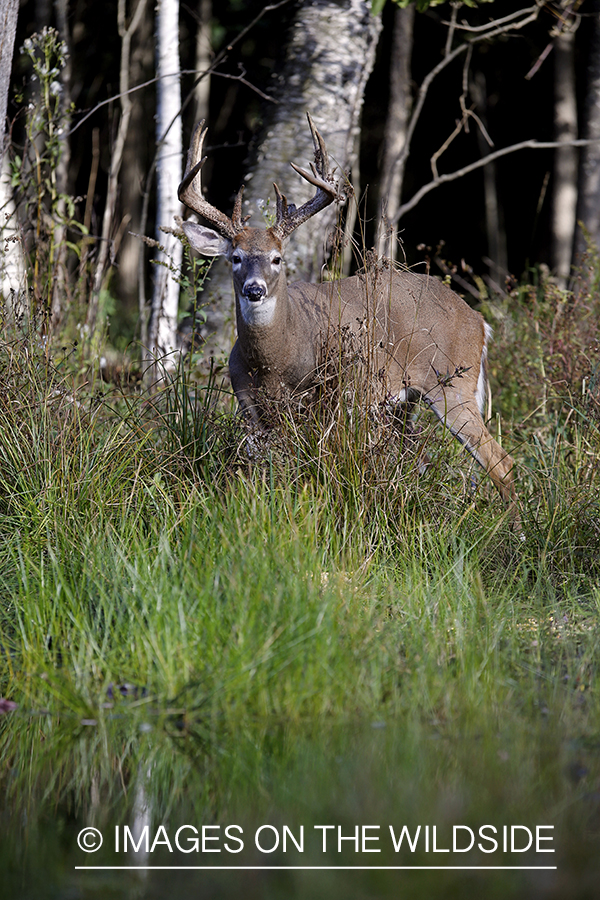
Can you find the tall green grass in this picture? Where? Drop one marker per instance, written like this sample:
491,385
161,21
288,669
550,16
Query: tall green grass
272,587
308,626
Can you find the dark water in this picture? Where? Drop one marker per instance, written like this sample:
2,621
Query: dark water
271,809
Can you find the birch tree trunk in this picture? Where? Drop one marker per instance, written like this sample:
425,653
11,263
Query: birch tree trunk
393,163
165,299
8,27
588,197
329,56
13,277
564,199
11,261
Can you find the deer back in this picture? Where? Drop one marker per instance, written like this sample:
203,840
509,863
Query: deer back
414,329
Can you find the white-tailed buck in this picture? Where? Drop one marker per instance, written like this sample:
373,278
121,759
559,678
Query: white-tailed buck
423,337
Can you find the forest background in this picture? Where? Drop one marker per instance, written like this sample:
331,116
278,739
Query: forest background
404,97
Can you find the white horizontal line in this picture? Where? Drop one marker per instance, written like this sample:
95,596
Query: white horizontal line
312,868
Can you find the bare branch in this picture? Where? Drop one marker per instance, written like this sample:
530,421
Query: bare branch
479,163
556,31
464,26
112,99
462,123
451,26
145,84
126,33
210,71
241,78
502,26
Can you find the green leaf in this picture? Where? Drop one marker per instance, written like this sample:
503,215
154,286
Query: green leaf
76,248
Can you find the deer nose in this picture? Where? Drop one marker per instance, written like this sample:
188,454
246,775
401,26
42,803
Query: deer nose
254,290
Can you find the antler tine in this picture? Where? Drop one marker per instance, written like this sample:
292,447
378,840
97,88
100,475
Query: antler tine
190,189
284,209
187,191
321,176
237,219
321,163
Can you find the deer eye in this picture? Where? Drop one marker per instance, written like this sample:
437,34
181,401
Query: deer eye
276,261
236,260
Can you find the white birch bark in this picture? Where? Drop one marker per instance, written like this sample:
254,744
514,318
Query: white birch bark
8,27
165,299
13,280
564,199
12,269
329,57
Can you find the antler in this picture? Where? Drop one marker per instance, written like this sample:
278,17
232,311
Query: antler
190,190
321,176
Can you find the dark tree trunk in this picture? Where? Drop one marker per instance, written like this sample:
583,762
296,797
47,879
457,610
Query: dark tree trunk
497,260
393,162
60,280
135,158
588,200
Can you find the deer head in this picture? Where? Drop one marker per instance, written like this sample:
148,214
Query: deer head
255,254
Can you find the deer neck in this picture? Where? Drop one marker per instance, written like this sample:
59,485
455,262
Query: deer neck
264,330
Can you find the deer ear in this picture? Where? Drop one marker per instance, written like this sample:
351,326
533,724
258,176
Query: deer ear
205,240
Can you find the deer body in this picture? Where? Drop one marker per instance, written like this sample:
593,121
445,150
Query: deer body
422,338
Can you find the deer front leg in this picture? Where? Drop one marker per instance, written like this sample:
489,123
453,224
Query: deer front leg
244,385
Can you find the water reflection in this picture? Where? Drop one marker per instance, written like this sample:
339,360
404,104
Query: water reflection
169,791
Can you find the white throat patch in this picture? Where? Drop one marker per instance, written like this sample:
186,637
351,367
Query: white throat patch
257,312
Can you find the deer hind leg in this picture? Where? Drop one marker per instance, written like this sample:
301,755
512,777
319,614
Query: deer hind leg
464,420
